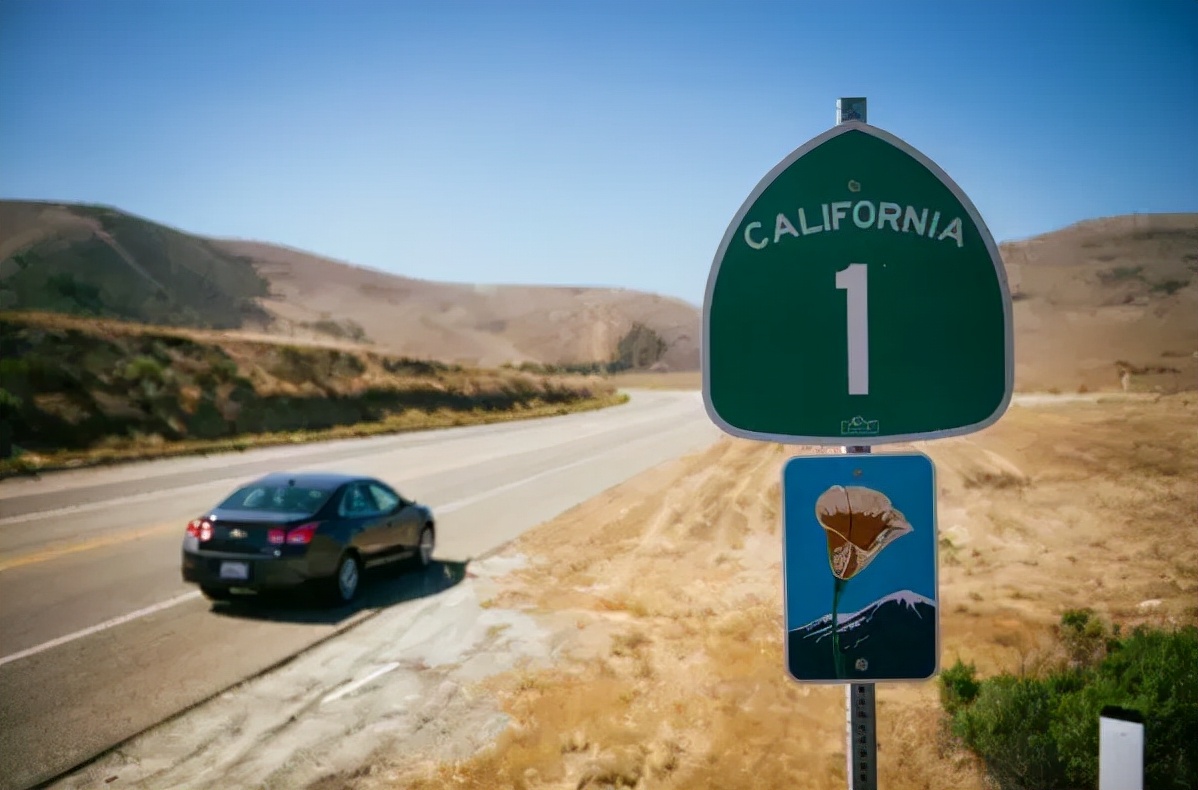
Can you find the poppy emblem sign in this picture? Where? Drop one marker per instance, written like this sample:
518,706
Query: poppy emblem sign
857,298
859,568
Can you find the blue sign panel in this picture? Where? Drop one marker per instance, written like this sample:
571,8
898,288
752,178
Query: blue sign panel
859,568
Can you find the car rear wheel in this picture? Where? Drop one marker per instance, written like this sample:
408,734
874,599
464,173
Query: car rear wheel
343,587
428,543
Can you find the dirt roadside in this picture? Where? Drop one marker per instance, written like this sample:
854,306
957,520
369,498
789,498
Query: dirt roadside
665,598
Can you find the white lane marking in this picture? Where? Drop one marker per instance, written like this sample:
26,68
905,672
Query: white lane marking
166,493
148,496
470,500
446,508
357,684
95,629
461,503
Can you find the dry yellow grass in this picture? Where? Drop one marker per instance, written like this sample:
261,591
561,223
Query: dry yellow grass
667,592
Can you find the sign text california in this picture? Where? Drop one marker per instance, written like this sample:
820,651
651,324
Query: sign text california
864,214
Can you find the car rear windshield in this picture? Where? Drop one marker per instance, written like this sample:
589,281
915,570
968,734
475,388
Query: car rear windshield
279,499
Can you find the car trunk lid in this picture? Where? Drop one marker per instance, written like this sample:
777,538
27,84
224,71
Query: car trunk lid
248,532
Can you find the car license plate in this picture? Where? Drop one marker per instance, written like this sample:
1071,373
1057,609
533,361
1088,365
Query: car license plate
235,570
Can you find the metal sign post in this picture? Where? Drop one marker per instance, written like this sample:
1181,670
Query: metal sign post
861,748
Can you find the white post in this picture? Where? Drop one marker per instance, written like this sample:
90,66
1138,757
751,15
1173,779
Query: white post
1120,749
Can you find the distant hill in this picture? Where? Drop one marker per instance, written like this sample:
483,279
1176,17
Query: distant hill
93,259
1105,295
475,324
1091,300
96,260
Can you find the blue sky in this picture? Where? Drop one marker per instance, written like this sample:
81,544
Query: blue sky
578,142
909,563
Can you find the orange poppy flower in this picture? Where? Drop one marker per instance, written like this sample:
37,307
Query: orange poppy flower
859,522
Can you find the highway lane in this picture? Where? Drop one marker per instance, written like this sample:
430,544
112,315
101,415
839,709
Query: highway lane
100,639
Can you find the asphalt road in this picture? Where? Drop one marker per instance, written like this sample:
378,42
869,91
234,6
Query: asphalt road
100,639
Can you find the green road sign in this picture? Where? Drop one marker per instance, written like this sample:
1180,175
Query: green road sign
857,298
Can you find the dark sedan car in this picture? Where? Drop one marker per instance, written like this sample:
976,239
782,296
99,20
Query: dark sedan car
287,530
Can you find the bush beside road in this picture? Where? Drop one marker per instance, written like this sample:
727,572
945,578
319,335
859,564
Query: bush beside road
76,392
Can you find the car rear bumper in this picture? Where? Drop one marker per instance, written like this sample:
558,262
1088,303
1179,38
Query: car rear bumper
263,573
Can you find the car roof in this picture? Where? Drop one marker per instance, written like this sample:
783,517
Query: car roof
310,479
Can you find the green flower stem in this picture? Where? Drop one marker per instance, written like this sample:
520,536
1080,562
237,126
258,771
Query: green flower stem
837,658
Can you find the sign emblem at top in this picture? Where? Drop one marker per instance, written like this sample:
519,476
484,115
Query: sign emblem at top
856,298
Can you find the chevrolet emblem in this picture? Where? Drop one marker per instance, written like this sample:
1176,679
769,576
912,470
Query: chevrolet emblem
237,533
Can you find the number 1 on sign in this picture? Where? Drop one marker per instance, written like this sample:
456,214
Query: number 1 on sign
854,283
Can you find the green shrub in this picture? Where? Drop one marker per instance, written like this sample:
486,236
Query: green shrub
640,347
341,364
404,366
1007,725
1170,287
958,686
1156,673
1085,637
10,404
220,366
13,373
144,368
1042,732
80,296
347,328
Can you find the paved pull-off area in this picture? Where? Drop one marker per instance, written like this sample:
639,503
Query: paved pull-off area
100,639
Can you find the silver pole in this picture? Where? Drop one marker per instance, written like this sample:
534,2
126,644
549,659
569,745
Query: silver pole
861,747
861,742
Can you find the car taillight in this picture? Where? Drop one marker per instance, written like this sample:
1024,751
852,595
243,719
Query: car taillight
276,537
302,535
199,529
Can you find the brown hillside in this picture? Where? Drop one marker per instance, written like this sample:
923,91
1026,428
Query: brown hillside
484,325
1091,300
96,260
1104,292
